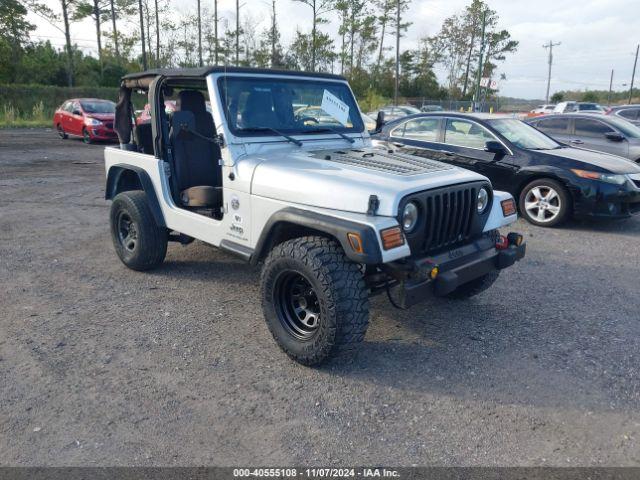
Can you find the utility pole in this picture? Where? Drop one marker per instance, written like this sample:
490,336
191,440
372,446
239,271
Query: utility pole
633,76
610,89
144,48
550,46
215,30
274,31
199,36
476,97
397,83
237,32
157,35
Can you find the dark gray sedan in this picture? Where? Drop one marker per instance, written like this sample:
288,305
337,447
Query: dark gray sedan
607,134
630,113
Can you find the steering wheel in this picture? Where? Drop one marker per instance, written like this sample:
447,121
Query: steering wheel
304,120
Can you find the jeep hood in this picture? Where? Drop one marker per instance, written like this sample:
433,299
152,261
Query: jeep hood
345,179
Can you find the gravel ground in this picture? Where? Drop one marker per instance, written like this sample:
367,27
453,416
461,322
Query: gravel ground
100,365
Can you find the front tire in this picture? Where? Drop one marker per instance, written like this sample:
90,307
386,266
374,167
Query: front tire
139,242
86,137
314,299
545,202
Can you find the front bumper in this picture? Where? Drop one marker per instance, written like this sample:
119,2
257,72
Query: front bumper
456,267
600,200
102,133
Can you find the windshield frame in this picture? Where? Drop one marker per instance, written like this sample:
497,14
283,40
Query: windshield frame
493,121
219,81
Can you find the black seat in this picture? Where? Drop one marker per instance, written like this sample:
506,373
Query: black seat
197,171
258,111
144,138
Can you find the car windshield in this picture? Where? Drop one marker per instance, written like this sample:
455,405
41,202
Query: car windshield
590,107
523,135
258,106
98,106
627,128
409,110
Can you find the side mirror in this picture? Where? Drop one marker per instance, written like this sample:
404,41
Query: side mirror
379,121
615,136
495,147
77,112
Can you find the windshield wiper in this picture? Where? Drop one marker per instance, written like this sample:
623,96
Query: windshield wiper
332,130
269,129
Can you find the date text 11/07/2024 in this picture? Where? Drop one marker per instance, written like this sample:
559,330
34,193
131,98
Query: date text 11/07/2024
316,472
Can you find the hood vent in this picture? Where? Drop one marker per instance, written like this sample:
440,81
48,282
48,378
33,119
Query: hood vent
383,161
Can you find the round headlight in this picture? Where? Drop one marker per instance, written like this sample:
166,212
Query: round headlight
483,200
410,217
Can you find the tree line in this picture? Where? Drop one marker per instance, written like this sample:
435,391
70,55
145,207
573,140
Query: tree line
369,49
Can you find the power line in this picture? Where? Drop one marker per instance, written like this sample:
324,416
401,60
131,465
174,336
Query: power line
550,46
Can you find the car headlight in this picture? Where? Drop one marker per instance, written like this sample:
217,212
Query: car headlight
603,177
410,217
483,200
92,122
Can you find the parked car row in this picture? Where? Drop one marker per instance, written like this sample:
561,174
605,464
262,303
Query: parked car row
552,180
570,164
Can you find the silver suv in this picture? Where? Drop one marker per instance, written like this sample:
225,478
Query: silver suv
299,190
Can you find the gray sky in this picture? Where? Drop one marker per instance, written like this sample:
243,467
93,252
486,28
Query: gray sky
597,36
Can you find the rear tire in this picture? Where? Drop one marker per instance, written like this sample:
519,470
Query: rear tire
139,242
545,202
314,299
63,135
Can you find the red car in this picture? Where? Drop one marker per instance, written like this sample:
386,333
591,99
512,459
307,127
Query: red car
89,118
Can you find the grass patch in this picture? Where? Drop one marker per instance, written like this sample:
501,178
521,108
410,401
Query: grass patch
11,117
24,123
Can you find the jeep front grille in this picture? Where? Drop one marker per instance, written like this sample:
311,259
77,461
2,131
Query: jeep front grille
447,217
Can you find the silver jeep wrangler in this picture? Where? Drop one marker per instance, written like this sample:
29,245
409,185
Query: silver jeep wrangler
277,168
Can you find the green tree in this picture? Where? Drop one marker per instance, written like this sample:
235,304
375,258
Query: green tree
14,36
312,53
557,97
458,46
591,97
385,8
318,40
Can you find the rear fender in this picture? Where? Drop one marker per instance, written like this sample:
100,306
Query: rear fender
123,178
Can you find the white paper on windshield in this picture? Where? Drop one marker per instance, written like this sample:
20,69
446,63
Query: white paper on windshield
335,107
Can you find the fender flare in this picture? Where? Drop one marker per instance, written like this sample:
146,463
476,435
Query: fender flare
112,188
337,228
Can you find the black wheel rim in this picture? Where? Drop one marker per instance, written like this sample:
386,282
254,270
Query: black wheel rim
86,137
60,131
127,232
297,305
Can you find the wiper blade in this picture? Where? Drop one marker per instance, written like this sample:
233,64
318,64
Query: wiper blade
277,132
332,130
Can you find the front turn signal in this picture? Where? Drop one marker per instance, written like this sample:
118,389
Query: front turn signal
356,242
391,238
